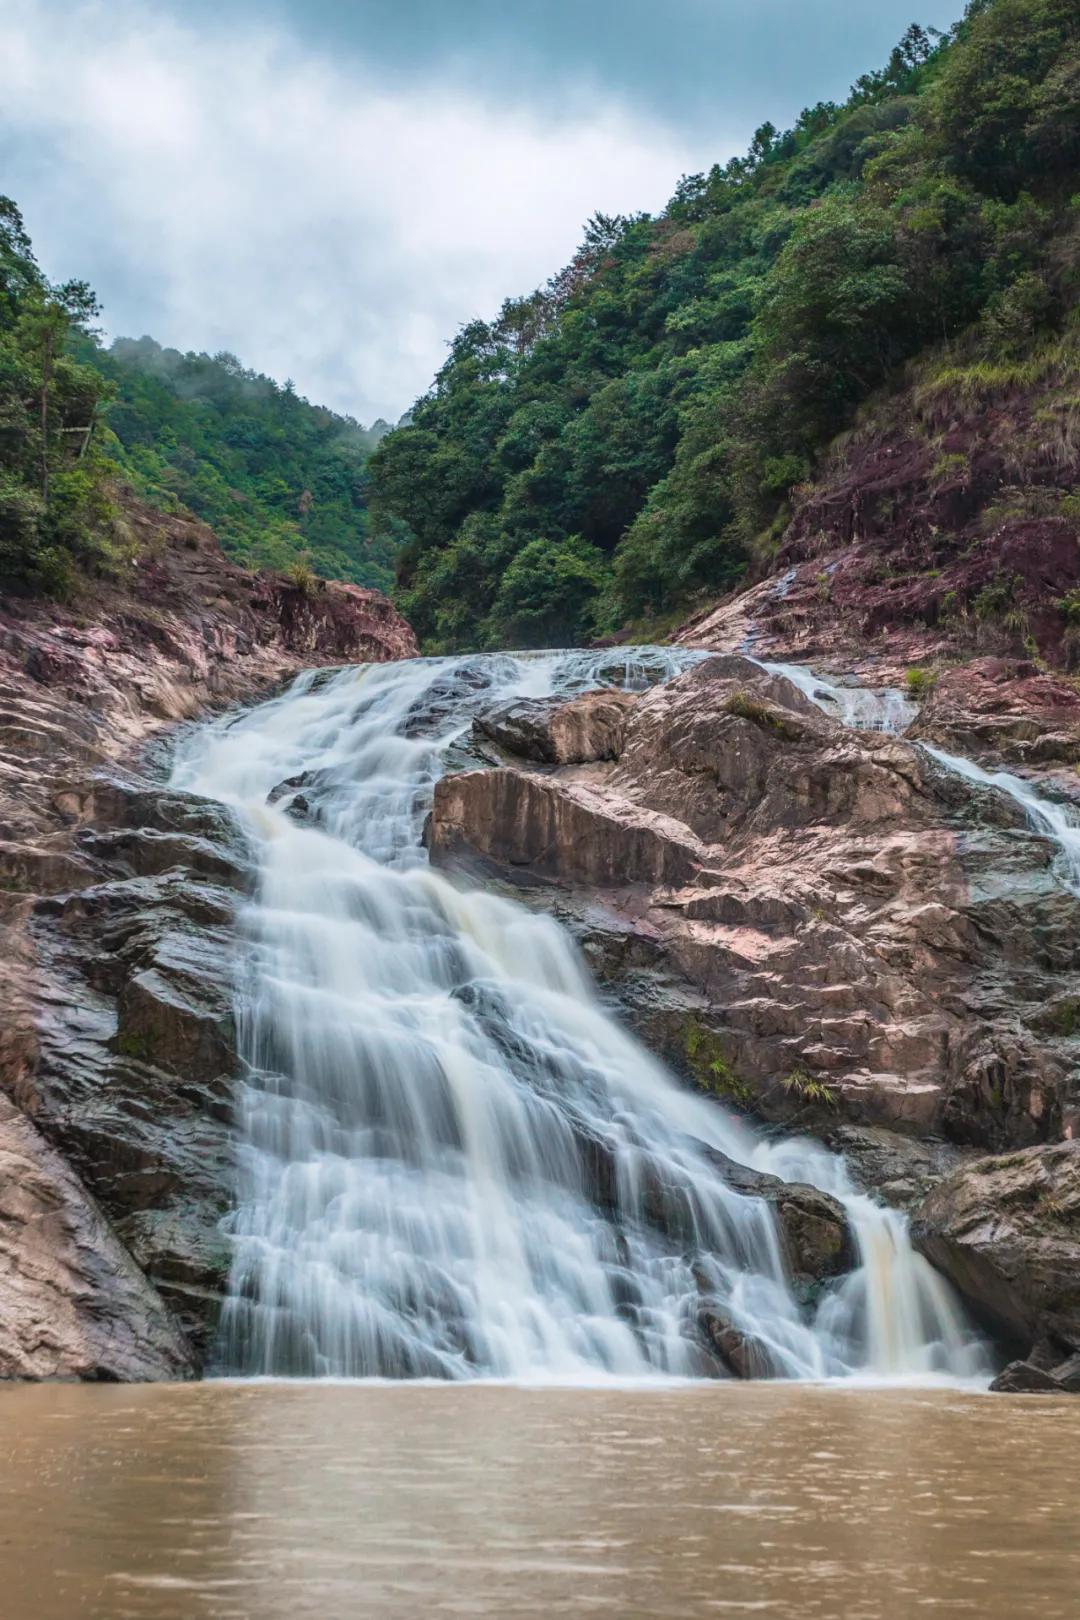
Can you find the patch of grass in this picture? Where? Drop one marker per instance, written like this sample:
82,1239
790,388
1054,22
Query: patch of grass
984,380
996,600
920,683
711,1069
948,466
803,1085
764,715
132,1045
1065,1017
306,581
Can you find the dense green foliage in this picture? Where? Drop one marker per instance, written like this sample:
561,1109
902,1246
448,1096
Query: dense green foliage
54,514
631,435
281,481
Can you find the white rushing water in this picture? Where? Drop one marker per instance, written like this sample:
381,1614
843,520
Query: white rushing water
866,708
1055,821
884,708
454,1161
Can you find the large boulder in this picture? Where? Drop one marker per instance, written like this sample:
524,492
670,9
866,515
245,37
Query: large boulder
554,731
816,1237
1006,1232
1025,1378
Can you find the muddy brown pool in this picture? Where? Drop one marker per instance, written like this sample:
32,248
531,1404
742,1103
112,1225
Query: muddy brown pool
267,1501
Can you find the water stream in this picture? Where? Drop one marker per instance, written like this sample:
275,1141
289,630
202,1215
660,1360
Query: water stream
885,708
454,1161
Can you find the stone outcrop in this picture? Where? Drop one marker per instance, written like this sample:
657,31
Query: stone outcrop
1006,1231
849,935
117,945
551,731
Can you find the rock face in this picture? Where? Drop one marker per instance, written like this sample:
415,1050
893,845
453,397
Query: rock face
1006,1230
851,936
117,934
136,1058
554,732
74,1303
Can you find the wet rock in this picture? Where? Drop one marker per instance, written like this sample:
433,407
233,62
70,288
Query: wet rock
1067,1374
458,690
1006,1232
897,1170
147,852
554,731
815,1233
740,1352
817,1237
1022,1378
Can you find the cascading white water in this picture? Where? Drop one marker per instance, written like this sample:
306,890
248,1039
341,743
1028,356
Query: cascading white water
454,1161
1055,821
884,708
866,708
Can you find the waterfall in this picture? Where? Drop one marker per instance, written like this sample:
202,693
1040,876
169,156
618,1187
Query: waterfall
1054,821
454,1162
866,708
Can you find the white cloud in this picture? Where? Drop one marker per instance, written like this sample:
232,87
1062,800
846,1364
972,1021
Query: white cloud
226,188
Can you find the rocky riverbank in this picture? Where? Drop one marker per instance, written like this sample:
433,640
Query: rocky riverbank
117,930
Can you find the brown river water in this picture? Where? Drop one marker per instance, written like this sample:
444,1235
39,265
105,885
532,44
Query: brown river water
281,1501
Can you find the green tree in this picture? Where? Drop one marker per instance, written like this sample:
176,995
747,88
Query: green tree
549,594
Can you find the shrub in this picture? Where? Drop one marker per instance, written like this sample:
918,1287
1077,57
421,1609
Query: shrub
302,576
920,682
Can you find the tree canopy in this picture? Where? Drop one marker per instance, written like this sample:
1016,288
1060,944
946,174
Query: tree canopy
630,436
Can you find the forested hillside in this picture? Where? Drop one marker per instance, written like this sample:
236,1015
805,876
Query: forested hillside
281,481
633,437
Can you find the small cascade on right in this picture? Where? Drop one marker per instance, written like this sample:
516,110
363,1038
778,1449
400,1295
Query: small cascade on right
865,708
886,708
1054,821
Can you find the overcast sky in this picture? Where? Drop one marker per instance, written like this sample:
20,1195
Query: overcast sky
329,188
